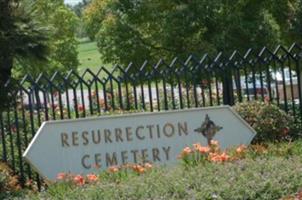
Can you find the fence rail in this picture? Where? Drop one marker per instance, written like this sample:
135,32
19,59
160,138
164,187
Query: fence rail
273,76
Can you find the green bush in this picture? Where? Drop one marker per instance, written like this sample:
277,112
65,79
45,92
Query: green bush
9,184
269,121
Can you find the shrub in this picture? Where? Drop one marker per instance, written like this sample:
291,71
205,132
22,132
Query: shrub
269,121
9,184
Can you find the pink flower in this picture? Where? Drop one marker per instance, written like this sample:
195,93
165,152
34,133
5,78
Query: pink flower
79,180
61,176
80,107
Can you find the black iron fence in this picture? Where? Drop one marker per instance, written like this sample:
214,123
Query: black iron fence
265,75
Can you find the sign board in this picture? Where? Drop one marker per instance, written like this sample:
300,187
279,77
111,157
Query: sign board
77,146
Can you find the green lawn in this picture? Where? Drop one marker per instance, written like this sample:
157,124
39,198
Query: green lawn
89,57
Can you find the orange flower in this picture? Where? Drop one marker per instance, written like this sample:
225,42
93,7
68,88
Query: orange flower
197,146
148,165
224,157
215,157
61,176
79,180
214,143
92,177
204,150
241,149
139,169
113,169
187,150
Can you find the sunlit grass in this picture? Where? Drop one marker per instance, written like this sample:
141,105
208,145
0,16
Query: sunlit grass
89,57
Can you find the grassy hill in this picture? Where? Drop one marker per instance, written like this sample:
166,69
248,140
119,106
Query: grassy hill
89,57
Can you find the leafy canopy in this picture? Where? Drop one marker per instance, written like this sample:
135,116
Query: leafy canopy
62,43
135,30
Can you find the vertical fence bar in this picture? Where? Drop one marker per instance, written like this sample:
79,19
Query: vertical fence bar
268,78
217,89
11,141
143,95
25,131
32,124
120,94
112,92
291,87
19,146
246,83
150,95
180,92
4,150
284,88
254,82
165,94
298,70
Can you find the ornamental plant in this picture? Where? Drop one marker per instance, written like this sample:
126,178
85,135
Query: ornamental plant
114,173
212,153
9,184
78,179
269,121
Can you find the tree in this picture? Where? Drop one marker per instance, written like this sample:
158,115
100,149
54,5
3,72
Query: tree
22,40
79,7
78,10
132,31
296,30
62,43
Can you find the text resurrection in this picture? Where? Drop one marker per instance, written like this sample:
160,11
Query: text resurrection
118,135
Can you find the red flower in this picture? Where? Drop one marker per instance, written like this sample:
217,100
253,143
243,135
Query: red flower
285,131
80,107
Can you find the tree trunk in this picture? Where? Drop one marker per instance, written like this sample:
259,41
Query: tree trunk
6,48
6,64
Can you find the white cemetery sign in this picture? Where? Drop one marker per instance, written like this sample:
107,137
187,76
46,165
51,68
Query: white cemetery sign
77,146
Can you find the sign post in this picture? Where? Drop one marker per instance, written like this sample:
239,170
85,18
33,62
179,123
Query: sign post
78,146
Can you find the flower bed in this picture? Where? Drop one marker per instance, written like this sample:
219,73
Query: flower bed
272,171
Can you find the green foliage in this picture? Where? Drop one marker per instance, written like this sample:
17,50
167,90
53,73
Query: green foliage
266,178
270,122
296,31
9,184
62,24
23,40
132,31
